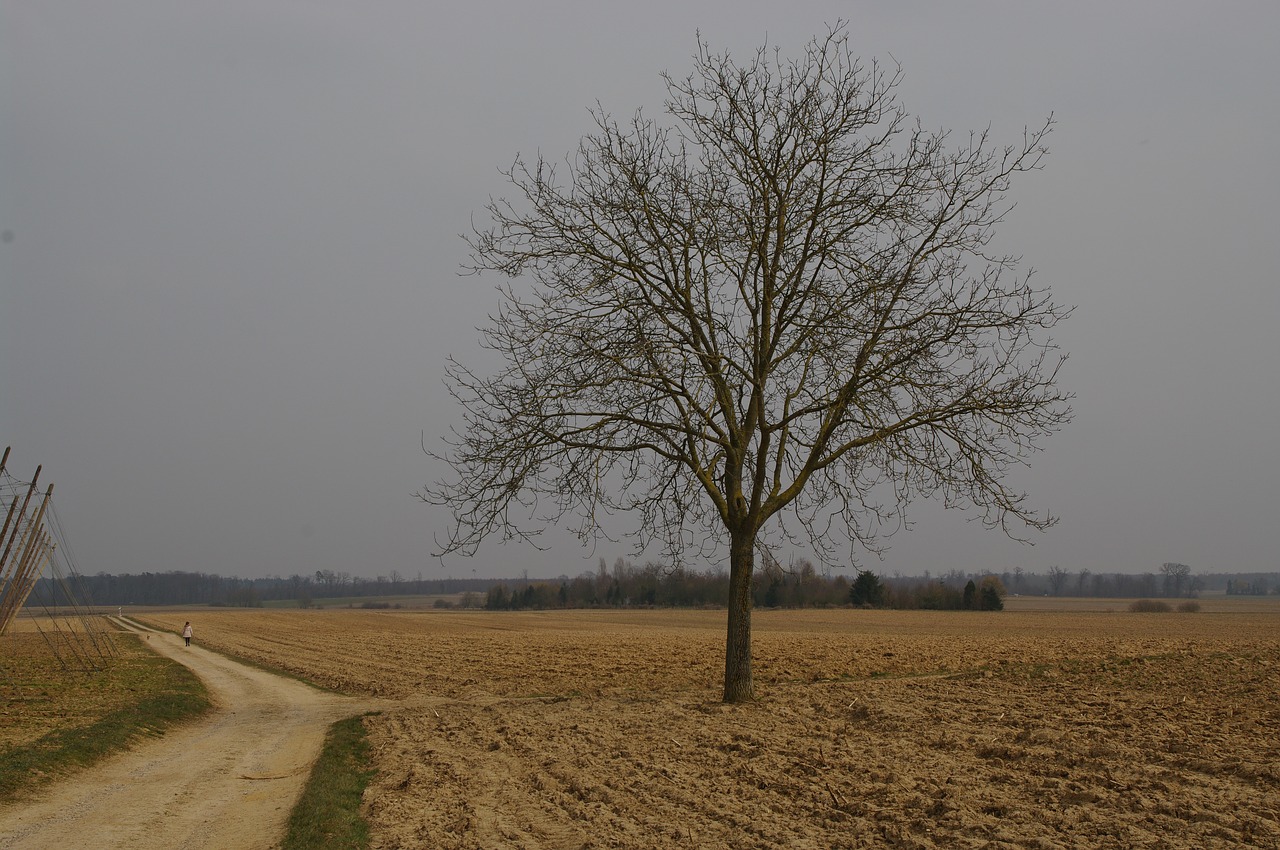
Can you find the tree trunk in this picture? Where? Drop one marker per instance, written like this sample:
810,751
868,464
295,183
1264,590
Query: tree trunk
738,686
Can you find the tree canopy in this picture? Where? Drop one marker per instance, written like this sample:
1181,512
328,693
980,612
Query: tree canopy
775,312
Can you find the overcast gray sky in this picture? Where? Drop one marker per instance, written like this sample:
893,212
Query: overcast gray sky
228,272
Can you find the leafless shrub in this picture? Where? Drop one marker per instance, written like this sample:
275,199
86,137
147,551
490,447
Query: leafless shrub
1149,606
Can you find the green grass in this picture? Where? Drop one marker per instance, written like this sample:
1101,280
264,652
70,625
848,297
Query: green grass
406,602
327,817
161,695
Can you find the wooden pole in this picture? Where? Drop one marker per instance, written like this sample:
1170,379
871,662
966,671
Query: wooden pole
33,561
4,533
22,513
35,549
14,587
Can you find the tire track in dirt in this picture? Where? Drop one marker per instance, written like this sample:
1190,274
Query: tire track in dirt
225,782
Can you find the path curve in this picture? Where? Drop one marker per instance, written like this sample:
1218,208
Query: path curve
225,782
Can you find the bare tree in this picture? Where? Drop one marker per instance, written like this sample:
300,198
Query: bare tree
1057,580
1175,578
777,315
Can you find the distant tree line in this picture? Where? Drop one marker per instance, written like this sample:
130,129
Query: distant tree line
1174,581
774,586
190,588
799,585
1253,585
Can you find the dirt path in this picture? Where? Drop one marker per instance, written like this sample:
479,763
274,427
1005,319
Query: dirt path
223,783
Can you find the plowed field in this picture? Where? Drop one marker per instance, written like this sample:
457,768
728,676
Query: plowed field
873,729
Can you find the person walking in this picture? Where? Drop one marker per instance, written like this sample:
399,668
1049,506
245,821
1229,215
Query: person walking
186,633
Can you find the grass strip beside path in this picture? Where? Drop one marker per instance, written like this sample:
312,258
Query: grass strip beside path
327,816
167,694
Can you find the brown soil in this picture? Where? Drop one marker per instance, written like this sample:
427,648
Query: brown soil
228,781
902,729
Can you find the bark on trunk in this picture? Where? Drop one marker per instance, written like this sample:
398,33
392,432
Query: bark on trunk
738,686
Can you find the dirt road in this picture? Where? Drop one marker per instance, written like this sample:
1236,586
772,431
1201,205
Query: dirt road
224,783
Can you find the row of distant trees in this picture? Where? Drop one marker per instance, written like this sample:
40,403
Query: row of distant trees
775,585
194,588
1174,581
